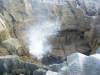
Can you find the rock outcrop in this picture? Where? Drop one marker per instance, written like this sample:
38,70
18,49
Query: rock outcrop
74,26
79,64
12,13
78,33
11,65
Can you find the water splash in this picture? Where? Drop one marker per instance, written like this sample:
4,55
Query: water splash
38,38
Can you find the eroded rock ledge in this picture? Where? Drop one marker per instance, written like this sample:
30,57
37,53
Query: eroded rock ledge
76,64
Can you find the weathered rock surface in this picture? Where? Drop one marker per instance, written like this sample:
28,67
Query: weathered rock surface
76,64
76,33
79,27
12,13
74,25
4,33
79,32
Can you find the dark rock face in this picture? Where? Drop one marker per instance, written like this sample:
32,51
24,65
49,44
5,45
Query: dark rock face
51,60
70,41
13,66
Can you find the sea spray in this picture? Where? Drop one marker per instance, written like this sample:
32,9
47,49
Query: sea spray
38,38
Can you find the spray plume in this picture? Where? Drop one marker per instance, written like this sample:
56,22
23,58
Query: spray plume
38,38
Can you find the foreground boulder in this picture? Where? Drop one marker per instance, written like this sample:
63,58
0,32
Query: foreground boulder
11,65
79,64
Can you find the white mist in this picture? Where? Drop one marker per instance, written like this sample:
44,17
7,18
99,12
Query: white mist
38,38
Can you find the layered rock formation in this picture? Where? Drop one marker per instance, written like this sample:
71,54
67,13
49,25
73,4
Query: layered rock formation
11,14
79,32
75,26
79,27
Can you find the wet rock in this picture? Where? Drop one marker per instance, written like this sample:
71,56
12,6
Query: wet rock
19,71
98,50
47,60
29,67
74,64
13,66
63,70
55,67
39,72
92,65
79,64
6,63
51,73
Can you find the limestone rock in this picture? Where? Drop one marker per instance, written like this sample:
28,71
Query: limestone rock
79,64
